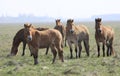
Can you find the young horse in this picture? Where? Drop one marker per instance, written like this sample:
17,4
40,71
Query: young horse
104,34
77,34
18,38
42,39
62,30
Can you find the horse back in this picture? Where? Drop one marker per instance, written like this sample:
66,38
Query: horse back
80,33
42,29
47,37
108,31
82,30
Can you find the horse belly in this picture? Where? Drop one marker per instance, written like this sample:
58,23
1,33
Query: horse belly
43,45
72,39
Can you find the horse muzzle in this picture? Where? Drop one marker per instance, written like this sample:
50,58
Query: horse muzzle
29,38
99,31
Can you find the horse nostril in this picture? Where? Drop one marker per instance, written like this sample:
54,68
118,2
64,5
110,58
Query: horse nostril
100,31
71,31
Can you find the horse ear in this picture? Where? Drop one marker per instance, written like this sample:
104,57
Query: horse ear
25,25
30,25
100,19
59,19
95,19
72,20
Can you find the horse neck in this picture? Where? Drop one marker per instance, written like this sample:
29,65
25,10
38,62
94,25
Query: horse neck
35,33
16,41
58,24
98,24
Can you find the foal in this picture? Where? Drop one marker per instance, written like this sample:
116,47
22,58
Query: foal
42,39
104,34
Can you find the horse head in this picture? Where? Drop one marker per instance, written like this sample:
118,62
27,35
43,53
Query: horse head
58,22
98,25
70,26
28,31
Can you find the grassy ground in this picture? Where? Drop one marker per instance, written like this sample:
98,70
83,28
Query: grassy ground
84,66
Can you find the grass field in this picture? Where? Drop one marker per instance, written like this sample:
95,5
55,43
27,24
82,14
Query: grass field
85,66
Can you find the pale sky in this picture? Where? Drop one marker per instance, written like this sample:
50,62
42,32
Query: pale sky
59,8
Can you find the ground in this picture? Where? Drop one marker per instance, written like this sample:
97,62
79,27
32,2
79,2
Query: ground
85,66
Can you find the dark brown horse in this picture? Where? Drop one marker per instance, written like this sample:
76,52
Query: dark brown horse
62,30
75,35
104,34
42,39
18,38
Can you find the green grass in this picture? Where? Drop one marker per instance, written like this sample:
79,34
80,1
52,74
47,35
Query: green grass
85,66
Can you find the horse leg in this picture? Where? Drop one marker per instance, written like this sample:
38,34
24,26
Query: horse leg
111,48
65,42
98,48
62,45
53,49
71,50
103,50
30,48
24,45
34,52
60,52
76,51
86,44
47,50
35,59
80,48
108,50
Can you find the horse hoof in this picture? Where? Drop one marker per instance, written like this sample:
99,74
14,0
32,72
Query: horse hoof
36,62
22,55
52,62
71,57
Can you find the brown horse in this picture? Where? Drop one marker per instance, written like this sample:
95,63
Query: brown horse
18,38
62,30
77,34
42,39
104,34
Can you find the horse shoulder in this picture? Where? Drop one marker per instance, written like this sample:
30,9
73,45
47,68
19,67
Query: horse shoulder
37,35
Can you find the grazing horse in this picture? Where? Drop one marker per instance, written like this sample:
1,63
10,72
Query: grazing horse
62,30
104,34
77,34
18,38
42,39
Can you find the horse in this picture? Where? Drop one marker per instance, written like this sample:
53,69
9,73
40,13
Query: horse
105,35
42,39
62,30
75,35
18,38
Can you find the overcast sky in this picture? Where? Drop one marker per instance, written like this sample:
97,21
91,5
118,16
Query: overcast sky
59,8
